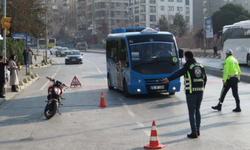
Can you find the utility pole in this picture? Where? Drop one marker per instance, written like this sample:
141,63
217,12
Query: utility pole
4,40
4,30
46,30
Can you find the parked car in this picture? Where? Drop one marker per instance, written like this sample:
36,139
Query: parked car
54,49
82,46
62,51
73,56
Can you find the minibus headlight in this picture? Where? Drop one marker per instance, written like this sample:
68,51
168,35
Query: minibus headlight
136,79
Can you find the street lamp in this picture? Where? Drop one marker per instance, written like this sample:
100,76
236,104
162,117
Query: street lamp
109,17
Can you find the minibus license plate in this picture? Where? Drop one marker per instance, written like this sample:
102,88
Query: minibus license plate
160,87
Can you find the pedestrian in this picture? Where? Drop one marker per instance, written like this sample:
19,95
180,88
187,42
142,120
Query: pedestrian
13,73
215,50
195,81
231,78
3,63
25,56
30,55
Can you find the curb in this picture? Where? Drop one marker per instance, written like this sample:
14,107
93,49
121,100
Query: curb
22,86
99,52
217,72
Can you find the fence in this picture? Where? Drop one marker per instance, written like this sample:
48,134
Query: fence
193,42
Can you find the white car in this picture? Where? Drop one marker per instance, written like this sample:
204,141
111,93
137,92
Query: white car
54,49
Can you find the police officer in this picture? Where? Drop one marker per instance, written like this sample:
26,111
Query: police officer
231,78
195,81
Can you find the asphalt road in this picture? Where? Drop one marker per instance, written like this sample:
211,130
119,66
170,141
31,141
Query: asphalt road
125,124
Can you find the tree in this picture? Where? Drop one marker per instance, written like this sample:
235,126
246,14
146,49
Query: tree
26,16
229,14
179,27
164,24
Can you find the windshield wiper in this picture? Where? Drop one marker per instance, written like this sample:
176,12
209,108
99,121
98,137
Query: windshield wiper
170,62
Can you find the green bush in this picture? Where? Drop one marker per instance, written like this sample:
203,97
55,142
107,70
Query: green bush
17,45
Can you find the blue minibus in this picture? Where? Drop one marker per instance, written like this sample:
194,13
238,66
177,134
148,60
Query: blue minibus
139,58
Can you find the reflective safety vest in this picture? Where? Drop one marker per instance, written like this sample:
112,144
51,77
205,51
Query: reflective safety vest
194,79
231,68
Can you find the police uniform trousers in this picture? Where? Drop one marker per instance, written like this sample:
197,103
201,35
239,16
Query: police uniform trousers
194,103
233,84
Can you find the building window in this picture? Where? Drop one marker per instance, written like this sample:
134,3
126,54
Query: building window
136,2
118,13
187,19
162,0
179,1
162,8
187,10
179,8
152,1
152,18
137,18
136,10
187,2
170,8
152,9
170,0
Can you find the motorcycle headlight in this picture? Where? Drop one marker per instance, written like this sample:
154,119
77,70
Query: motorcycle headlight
57,90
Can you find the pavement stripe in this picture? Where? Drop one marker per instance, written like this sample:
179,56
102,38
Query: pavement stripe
98,70
51,77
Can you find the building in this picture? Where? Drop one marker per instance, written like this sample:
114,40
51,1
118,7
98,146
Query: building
205,8
104,15
148,12
54,18
82,16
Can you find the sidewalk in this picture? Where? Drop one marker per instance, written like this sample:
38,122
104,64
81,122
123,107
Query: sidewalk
37,64
200,53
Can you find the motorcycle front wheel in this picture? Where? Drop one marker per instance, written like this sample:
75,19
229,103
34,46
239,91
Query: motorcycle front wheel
50,110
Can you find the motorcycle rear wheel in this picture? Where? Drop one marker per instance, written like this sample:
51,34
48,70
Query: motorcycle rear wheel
50,113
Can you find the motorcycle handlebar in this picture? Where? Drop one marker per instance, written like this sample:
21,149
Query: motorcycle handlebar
50,79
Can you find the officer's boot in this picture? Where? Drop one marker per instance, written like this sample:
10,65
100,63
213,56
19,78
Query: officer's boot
218,107
237,109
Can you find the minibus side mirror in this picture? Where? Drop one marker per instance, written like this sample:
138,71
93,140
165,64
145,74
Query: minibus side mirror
181,53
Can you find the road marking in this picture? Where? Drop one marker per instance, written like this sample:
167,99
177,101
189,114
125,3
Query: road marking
51,77
132,114
125,105
98,70
147,132
140,124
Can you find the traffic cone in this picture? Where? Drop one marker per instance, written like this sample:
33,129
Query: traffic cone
102,101
154,142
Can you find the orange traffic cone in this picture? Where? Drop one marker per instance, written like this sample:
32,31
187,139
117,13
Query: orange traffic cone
154,142
102,101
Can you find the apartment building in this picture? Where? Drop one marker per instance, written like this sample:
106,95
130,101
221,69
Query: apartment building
111,13
148,12
205,8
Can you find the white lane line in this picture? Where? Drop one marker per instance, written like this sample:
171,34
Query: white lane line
147,132
131,113
51,77
140,124
125,105
98,70
120,99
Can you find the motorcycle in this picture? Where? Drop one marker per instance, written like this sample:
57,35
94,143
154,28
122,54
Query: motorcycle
54,97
